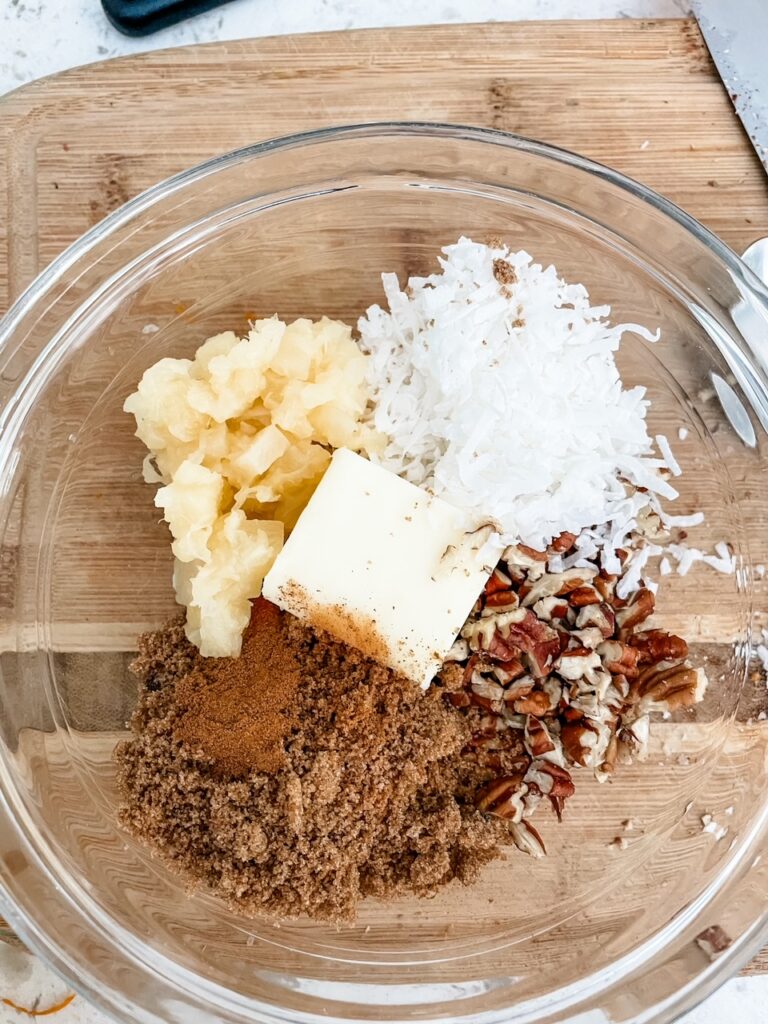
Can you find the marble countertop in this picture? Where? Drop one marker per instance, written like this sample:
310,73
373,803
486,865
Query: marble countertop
41,37
76,31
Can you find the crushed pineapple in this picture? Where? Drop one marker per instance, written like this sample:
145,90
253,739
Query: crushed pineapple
240,436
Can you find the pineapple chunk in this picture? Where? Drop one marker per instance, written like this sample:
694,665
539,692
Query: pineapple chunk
240,436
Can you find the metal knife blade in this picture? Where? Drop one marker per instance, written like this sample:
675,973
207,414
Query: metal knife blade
736,33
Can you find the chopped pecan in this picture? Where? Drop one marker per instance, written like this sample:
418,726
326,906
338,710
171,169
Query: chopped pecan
538,740
619,658
538,641
609,758
460,700
486,703
502,599
527,839
638,609
485,687
654,645
580,597
553,689
563,542
576,663
557,583
633,738
503,797
574,579
521,561
519,688
550,779
713,941
601,616
649,525
532,553
535,703
671,688
591,637
458,652
578,741
497,581
507,671
605,584
549,608
501,648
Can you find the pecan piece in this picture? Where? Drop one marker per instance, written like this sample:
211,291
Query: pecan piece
527,839
519,688
671,688
578,739
503,797
576,663
609,758
591,637
600,616
636,611
538,641
654,645
557,583
485,687
553,782
538,740
499,647
574,579
520,560
580,597
535,703
605,584
532,553
502,599
548,608
713,941
460,700
550,779
563,542
541,742
497,581
507,671
619,658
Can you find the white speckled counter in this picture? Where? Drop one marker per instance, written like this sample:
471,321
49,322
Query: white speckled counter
40,37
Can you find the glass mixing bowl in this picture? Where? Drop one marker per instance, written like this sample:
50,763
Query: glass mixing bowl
604,928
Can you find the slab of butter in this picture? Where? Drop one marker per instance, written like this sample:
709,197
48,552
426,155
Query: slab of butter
383,566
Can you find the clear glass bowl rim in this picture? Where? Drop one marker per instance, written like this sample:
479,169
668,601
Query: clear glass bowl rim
752,940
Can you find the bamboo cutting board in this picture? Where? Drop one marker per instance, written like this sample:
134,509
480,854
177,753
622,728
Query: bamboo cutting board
642,96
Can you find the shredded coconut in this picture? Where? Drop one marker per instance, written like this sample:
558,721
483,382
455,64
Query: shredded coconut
467,357
666,453
711,827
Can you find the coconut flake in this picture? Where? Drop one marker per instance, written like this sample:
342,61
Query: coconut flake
503,397
666,453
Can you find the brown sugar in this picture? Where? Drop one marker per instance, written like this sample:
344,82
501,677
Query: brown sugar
368,800
237,711
504,272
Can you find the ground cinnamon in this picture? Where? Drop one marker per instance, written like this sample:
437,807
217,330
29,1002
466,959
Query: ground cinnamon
237,711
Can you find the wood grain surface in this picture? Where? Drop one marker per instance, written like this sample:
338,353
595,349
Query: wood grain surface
642,96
